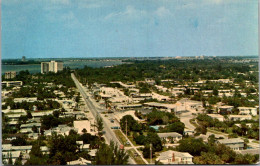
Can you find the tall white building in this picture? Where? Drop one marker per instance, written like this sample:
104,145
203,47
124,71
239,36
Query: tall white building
51,66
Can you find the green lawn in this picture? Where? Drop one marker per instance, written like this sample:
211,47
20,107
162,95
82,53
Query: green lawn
137,159
132,140
121,137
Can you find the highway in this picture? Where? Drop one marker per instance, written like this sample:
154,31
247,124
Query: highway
108,133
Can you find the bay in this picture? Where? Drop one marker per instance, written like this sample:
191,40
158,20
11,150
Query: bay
36,68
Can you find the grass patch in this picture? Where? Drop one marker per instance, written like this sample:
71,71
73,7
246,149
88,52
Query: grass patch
192,121
257,142
137,159
121,137
132,140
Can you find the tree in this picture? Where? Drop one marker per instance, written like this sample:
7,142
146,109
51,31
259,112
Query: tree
99,126
154,139
211,139
19,141
110,155
141,139
174,127
146,151
35,129
207,158
84,131
192,146
63,148
201,129
56,114
132,124
23,119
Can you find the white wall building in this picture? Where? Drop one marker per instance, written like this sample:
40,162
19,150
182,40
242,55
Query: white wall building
174,157
51,66
247,111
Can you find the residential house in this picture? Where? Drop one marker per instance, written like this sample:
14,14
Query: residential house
80,161
239,117
174,157
226,109
172,136
216,116
247,111
233,143
14,155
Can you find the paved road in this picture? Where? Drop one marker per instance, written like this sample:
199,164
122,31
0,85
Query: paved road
109,134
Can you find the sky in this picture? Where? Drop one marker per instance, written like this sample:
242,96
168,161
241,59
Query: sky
128,28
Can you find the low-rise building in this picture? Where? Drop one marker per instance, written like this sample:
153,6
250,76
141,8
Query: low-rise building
247,111
14,155
233,143
239,117
216,116
174,157
80,161
226,109
172,136
12,83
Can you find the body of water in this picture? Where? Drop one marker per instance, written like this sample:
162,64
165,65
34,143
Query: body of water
36,68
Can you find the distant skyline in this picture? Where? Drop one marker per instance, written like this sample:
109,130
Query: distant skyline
128,28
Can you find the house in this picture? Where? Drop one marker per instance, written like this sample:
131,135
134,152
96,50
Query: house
233,143
216,116
249,151
160,97
174,157
38,115
33,136
170,136
61,129
247,111
224,110
188,132
84,124
82,146
92,153
26,99
14,155
80,161
44,150
12,83
239,117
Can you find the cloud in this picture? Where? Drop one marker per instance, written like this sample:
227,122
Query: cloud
130,12
162,11
60,2
88,5
68,16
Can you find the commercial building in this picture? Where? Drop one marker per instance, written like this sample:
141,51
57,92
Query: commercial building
51,66
10,74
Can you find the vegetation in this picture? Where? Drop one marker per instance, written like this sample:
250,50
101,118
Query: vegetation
110,155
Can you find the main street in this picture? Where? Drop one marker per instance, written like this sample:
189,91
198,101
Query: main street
108,133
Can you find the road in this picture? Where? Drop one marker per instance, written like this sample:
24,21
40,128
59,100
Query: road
108,133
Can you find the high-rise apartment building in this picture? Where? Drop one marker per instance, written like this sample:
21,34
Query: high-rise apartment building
10,74
51,66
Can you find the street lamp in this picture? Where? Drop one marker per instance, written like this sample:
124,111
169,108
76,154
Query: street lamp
151,154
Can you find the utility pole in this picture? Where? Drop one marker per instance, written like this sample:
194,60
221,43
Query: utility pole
151,154
126,128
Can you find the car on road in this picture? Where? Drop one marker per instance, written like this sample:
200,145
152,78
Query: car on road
115,127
